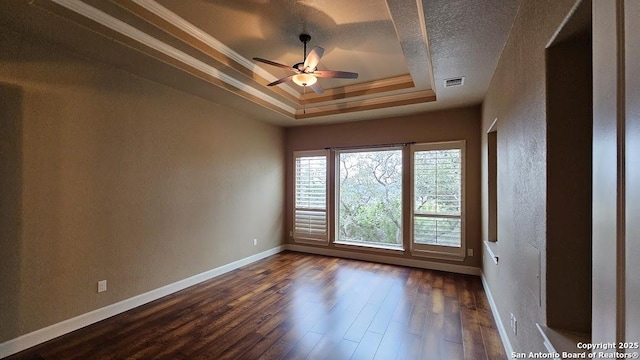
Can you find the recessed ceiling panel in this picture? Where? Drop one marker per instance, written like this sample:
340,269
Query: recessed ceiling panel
270,30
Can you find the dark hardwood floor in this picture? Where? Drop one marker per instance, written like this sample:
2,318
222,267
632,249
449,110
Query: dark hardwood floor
300,306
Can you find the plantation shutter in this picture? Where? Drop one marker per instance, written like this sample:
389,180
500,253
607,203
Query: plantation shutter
310,214
438,197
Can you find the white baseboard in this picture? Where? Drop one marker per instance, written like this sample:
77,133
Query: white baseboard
422,264
51,332
508,349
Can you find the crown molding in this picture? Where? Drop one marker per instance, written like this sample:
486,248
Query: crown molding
196,33
362,89
416,97
131,32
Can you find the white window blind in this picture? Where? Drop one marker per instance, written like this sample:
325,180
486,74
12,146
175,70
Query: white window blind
438,198
310,215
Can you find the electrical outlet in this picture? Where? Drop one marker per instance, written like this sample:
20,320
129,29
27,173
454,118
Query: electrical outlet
469,252
291,233
102,286
255,242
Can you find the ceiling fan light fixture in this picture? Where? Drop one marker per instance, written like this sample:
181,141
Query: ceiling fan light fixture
304,79
306,73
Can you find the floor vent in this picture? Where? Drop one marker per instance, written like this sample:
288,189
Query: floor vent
458,81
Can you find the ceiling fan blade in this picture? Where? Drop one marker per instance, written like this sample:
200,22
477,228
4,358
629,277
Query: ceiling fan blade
273,63
312,60
335,74
280,81
317,88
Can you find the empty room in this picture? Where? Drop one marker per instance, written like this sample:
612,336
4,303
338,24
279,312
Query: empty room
308,179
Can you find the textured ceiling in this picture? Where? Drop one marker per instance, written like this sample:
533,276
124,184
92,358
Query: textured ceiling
403,50
466,38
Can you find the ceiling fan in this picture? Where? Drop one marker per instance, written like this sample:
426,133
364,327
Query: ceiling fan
306,73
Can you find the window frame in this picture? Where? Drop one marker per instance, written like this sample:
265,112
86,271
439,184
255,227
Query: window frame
438,251
304,237
336,191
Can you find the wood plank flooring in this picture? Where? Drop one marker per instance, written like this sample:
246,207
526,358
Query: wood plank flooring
300,306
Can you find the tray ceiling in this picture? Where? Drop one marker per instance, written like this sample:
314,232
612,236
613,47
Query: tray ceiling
402,50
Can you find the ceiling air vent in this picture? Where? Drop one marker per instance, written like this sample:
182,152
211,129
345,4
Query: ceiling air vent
458,81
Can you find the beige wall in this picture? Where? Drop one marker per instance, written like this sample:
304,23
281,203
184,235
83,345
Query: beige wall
517,97
459,124
529,142
109,176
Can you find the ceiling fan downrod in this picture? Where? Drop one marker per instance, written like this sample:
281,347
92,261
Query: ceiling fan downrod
305,39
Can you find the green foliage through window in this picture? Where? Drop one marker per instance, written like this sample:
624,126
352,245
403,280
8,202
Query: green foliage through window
370,197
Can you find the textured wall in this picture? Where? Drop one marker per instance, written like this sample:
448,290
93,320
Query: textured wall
109,176
459,124
516,97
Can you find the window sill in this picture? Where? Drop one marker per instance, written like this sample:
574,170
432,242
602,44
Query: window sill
492,249
558,341
310,241
372,247
437,255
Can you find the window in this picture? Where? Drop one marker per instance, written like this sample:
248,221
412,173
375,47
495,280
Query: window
437,193
310,191
369,197
372,207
